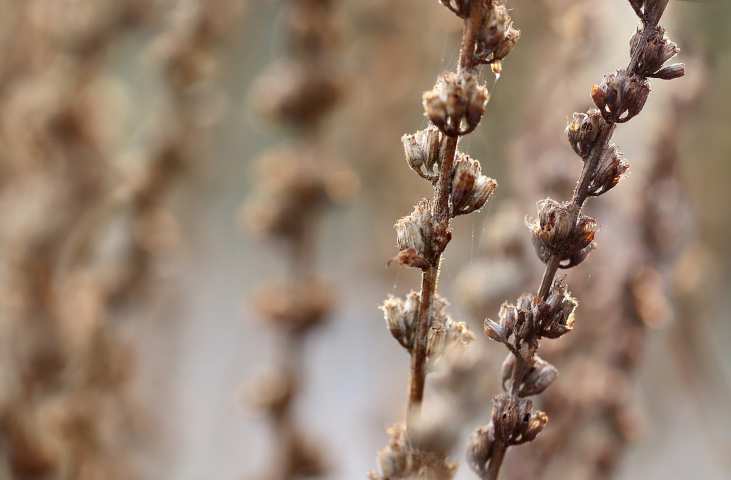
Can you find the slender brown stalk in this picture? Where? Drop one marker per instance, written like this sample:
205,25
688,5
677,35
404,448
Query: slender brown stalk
563,237
454,108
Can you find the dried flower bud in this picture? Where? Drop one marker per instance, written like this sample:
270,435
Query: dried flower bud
529,319
657,50
295,95
530,425
400,318
620,96
609,171
538,378
555,233
293,189
480,448
399,459
444,335
272,392
583,130
558,318
670,72
497,37
461,8
496,331
413,236
554,221
470,189
422,152
456,103
295,307
514,420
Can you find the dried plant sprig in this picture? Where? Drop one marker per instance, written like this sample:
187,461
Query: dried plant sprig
454,108
563,238
294,187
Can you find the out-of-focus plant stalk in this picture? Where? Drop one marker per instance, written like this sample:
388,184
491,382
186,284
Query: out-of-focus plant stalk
293,187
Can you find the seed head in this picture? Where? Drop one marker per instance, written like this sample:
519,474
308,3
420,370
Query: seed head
676,70
497,37
583,130
609,171
456,103
657,50
620,96
422,152
555,233
470,189
480,448
413,236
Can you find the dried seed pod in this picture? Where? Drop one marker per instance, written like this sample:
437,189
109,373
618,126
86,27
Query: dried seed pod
401,460
555,233
456,103
480,448
514,420
413,236
497,37
504,417
272,392
657,50
470,189
444,333
400,317
583,130
295,94
670,72
496,331
531,423
620,96
296,307
557,318
554,220
422,152
609,171
539,377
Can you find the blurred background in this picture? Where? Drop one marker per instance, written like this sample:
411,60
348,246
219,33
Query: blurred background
131,334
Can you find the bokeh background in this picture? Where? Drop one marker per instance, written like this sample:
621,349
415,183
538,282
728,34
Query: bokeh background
142,124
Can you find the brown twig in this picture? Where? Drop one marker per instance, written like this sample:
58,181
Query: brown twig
563,238
454,107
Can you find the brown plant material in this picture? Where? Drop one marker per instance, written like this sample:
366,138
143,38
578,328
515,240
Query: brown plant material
294,187
563,238
454,108
65,410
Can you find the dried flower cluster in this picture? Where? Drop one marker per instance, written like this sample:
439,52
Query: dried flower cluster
563,237
294,185
454,108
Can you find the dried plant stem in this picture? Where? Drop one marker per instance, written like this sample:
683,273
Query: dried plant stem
442,217
419,323
563,238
